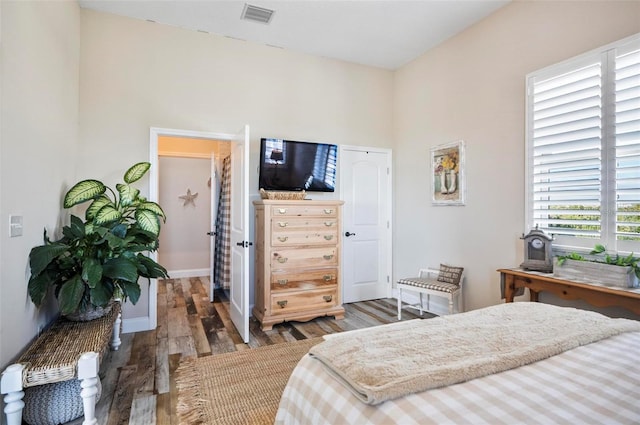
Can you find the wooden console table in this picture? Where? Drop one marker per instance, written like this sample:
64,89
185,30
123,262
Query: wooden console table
597,295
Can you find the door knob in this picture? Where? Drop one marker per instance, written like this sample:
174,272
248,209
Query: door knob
347,234
211,233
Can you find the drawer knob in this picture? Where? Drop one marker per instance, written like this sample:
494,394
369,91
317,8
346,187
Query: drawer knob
329,223
282,260
282,303
328,237
283,238
328,211
327,257
283,223
282,210
327,298
327,277
283,282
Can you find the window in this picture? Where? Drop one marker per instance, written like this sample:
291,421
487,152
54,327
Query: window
583,149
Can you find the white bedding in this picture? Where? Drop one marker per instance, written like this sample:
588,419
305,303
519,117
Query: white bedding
597,383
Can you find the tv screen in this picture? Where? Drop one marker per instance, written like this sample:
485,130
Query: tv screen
296,165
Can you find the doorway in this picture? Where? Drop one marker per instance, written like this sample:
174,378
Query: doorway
239,218
190,173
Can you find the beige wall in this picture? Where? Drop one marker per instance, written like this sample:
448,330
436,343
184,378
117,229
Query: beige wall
136,74
472,87
38,143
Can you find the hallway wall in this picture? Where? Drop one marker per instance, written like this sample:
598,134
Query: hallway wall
184,243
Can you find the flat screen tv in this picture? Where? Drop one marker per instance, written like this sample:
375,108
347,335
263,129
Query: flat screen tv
296,165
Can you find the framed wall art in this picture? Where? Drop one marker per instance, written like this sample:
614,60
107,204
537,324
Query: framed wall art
448,185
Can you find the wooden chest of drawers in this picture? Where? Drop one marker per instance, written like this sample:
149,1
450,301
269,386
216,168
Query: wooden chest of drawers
297,261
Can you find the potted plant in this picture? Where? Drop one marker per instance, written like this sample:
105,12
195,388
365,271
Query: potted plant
607,270
102,257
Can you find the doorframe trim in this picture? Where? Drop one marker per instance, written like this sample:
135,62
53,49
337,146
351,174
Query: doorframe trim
389,252
136,324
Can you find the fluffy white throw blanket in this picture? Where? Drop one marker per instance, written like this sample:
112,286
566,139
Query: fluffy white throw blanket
391,361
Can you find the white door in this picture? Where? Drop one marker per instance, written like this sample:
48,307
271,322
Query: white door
365,187
213,182
239,224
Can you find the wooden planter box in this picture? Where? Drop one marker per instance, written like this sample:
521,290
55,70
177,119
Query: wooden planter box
601,273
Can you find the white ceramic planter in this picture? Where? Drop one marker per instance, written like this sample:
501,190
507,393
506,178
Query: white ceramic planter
601,273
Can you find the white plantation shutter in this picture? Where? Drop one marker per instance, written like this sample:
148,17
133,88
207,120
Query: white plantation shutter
583,156
627,174
567,113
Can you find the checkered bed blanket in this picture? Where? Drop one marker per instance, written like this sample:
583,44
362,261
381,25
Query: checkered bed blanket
594,383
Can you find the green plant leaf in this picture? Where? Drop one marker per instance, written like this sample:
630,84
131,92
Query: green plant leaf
101,295
136,172
598,249
131,291
151,268
120,230
71,294
77,226
107,214
154,208
96,205
128,194
120,268
38,287
83,191
148,221
116,242
628,259
92,272
41,256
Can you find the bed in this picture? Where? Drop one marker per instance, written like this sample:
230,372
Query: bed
578,367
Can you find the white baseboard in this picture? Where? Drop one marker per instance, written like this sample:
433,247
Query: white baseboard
135,324
176,274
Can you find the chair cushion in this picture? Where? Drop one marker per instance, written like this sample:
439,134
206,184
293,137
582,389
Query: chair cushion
450,274
433,284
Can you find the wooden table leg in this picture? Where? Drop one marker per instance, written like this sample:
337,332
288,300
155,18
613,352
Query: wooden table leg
509,287
533,295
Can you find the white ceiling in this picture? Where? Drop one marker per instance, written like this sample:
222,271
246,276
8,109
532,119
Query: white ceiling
385,34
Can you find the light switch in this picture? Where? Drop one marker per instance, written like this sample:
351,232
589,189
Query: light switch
16,225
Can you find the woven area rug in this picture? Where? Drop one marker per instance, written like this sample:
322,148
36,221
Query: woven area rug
242,387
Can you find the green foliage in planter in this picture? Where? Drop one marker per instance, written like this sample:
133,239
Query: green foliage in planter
616,260
102,257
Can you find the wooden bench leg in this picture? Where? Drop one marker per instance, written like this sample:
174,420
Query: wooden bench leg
88,374
115,340
11,385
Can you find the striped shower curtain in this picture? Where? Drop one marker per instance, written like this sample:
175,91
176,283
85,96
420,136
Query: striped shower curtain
222,255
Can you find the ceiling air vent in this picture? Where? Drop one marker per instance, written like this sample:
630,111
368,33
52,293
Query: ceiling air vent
257,14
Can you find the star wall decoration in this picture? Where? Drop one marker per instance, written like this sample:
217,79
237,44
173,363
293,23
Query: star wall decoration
189,198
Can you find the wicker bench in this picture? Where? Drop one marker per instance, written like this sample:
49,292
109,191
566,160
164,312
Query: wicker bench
67,350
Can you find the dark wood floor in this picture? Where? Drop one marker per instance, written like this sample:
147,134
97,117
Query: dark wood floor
138,380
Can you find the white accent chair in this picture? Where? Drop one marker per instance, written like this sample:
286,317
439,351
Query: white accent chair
433,282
